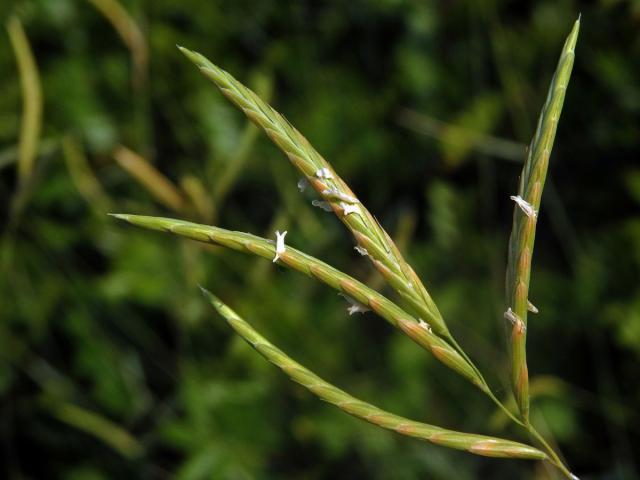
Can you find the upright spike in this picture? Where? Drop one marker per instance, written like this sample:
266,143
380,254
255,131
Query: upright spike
525,217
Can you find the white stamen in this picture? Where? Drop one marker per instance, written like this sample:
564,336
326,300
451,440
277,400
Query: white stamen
347,208
531,307
324,173
326,206
342,196
354,305
514,319
361,250
280,248
525,206
303,183
425,325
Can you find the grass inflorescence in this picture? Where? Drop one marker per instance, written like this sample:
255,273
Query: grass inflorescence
417,316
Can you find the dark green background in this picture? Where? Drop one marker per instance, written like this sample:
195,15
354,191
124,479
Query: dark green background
100,319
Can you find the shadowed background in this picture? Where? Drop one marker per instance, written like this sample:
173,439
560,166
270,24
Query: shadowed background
112,365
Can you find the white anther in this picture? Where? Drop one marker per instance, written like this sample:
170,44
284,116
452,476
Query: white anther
354,305
326,206
280,248
525,206
425,325
512,317
324,173
361,250
303,183
531,307
515,320
348,208
332,192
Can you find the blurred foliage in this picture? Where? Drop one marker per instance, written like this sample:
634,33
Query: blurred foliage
113,366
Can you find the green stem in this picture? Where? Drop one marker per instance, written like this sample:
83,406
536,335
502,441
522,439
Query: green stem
459,349
484,385
503,407
555,458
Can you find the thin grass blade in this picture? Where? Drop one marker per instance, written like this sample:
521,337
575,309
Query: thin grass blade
473,443
147,175
31,122
525,217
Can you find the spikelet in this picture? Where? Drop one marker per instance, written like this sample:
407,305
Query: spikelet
473,443
525,217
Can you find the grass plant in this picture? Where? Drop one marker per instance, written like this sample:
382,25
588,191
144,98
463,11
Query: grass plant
417,316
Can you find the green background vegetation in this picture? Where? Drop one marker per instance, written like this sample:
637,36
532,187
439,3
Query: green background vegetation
112,365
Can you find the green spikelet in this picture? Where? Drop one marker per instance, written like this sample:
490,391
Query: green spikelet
524,225
477,444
